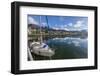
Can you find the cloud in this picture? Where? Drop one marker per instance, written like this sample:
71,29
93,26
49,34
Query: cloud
70,24
44,24
65,29
60,27
32,21
78,24
65,26
55,28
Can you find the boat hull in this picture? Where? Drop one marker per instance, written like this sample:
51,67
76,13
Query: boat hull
38,49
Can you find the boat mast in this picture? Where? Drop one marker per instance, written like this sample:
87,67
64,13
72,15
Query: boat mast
47,24
41,40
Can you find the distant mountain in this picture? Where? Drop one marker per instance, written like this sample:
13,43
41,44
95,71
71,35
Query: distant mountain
34,26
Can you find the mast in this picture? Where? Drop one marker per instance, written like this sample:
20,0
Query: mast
41,40
47,24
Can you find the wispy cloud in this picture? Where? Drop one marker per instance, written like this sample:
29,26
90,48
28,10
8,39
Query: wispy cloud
70,24
79,24
44,24
32,21
61,23
60,27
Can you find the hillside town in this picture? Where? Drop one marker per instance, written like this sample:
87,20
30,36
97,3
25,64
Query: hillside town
34,32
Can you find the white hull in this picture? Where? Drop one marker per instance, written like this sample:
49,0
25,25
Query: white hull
39,49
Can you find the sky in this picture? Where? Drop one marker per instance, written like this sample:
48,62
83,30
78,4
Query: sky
68,23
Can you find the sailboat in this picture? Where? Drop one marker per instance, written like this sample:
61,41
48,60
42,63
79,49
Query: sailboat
41,48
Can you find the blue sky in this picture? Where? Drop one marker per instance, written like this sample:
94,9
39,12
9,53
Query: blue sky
69,23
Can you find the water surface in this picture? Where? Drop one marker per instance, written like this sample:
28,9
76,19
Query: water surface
67,48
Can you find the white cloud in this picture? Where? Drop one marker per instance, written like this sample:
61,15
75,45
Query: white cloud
70,24
65,29
65,26
32,21
44,24
55,28
78,24
60,27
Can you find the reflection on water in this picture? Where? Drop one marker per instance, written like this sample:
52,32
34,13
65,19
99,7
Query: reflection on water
67,48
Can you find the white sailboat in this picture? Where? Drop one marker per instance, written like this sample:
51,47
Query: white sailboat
41,48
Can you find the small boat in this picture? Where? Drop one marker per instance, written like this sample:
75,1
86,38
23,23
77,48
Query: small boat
42,49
